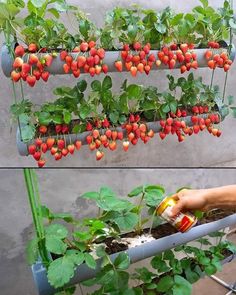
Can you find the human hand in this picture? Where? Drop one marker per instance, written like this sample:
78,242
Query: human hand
188,199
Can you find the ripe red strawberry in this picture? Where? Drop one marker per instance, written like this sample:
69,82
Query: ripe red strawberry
66,68
71,148
64,152
195,109
181,138
99,155
194,119
37,74
125,146
98,143
43,129
218,134
48,60
92,71
208,122
147,69
211,64
114,135
33,59
194,65
104,68
54,150
25,68
63,54
32,149
81,61
119,65
214,131
89,139
19,51
143,128
78,144
105,123
167,129
15,76
101,53
135,126
162,135
95,133
84,46
50,142
38,141
150,133
183,69
131,136
134,141
58,156
133,71
18,62
137,46
91,44
169,121
196,129
183,113
76,74
112,145
32,47
108,133
58,128
37,155
31,80
60,144
226,67
120,135
64,129
184,47
41,163
44,147
163,123
103,138
172,63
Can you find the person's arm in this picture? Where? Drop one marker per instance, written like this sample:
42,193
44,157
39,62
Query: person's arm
205,199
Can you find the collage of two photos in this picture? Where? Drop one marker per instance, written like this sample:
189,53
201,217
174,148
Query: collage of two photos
118,158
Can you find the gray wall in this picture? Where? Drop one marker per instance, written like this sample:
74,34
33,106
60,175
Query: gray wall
202,150
60,190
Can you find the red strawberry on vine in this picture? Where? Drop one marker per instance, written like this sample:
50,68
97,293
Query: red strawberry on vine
41,163
99,155
119,65
15,76
31,80
19,51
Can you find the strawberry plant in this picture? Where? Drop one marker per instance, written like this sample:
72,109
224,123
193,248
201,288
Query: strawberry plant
64,243
108,118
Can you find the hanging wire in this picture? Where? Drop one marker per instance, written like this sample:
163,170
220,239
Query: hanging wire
229,52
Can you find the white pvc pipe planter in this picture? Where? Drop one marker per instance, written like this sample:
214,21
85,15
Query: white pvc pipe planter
136,254
56,67
155,126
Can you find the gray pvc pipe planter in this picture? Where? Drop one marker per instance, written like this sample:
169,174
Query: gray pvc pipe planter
56,67
155,126
136,254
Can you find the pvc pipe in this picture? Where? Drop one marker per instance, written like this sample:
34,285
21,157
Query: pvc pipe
155,126
136,254
56,67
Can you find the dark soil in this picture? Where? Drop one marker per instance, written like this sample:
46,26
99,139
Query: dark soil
114,246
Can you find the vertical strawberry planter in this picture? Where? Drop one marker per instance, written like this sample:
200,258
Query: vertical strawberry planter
136,254
140,42
56,68
114,239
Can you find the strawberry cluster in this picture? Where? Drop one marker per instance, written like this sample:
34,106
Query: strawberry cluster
108,138
216,59
174,124
87,57
29,66
183,54
58,147
136,59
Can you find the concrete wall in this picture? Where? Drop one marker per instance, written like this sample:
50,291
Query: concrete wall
202,150
60,190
